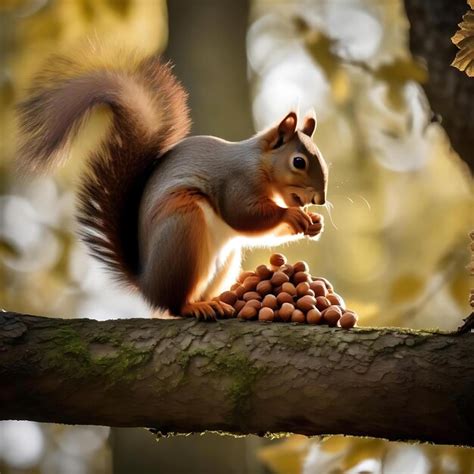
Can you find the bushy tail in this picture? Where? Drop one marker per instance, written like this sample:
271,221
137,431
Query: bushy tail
150,115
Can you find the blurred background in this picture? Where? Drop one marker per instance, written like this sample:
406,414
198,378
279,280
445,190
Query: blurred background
395,244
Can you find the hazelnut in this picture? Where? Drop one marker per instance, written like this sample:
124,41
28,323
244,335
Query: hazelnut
322,303
251,282
300,277
335,299
234,286
305,303
239,291
252,295
319,288
302,288
289,288
327,283
332,315
279,278
287,269
263,272
244,275
348,320
277,259
266,314
301,267
228,297
277,290
247,312
283,298
313,316
298,316
286,311
270,301
264,287
239,304
254,303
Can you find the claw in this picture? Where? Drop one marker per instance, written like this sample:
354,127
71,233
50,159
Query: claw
229,310
199,310
224,310
208,310
217,308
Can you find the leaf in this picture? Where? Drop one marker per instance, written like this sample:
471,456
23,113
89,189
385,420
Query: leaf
464,40
285,457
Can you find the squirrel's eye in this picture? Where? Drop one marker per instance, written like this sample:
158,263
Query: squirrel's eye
299,162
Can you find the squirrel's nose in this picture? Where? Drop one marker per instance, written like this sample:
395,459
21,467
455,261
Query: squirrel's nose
319,198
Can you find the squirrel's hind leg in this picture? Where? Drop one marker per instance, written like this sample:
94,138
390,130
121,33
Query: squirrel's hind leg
178,264
226,274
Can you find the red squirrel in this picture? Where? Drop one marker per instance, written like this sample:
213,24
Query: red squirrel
168,214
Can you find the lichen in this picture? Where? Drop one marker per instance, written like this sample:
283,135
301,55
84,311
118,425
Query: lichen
119,366
72,355
239,367
244,374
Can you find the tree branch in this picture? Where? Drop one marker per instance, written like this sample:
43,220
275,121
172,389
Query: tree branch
238,377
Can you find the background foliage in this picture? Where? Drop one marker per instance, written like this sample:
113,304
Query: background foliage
395,244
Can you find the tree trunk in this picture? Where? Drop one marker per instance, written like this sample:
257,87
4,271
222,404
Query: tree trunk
239,377
450,92
207,47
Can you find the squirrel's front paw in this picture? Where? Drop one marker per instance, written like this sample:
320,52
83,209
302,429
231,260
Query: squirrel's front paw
298,220
317,224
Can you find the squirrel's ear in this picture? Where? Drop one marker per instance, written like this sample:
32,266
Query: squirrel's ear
278,136
309,125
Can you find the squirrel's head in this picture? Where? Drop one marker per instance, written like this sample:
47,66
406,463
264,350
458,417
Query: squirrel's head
298,170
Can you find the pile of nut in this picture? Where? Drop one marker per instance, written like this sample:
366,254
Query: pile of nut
284,292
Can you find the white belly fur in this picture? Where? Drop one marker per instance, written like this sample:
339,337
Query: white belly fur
222,239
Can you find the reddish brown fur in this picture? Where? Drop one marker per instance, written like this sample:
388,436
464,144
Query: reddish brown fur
172,267
111,192
179,200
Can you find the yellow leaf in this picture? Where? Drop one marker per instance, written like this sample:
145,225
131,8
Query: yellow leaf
362,449
336,444
464,40
286,457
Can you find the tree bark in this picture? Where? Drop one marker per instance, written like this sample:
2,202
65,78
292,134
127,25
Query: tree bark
450,92
183,376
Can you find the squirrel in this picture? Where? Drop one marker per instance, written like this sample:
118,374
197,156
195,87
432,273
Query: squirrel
166,213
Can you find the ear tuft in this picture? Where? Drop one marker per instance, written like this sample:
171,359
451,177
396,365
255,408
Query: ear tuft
278,135
287,126
310,123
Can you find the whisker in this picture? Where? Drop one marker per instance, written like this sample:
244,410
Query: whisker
329,205
366,202
350,200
